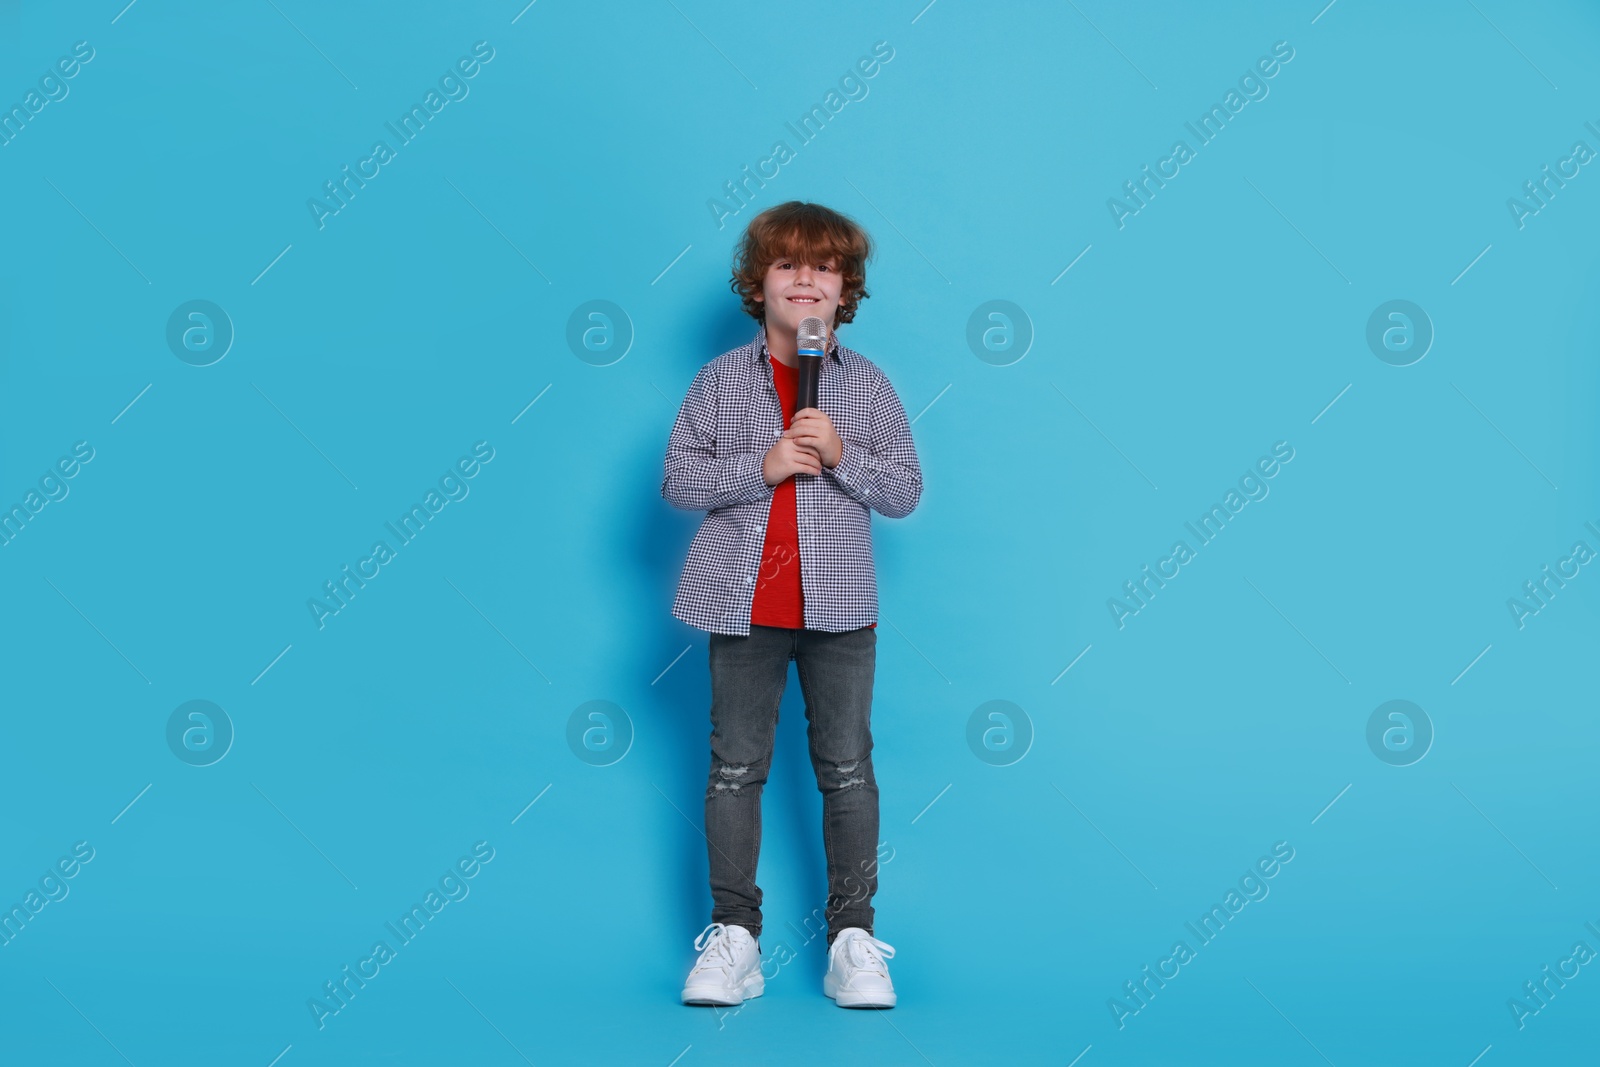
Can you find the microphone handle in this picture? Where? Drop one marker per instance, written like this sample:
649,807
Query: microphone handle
810,368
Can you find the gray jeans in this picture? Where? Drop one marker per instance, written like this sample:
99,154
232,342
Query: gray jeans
748,675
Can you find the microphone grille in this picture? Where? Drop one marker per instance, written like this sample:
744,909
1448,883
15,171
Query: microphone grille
811,333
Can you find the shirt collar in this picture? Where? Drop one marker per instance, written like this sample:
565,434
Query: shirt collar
761,353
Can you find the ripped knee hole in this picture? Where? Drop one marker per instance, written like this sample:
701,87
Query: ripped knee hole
848,776
729,776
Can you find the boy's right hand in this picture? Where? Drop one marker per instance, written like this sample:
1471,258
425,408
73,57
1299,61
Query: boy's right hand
786,457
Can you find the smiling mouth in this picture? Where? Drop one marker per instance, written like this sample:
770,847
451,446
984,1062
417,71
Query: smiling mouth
803,300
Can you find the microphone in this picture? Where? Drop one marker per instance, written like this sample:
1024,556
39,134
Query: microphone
809,341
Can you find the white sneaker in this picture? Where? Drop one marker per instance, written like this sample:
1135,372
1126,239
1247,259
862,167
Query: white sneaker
857,976
728,970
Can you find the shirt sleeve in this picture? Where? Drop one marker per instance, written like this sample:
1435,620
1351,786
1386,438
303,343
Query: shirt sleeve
883,473
695,477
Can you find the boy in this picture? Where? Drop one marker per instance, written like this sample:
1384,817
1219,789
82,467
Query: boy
781,568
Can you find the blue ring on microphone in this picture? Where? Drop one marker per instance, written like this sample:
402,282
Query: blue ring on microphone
811,352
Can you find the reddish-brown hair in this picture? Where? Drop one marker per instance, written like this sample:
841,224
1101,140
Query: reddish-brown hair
810,233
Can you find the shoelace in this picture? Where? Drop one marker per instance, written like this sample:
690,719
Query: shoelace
720,944
864,952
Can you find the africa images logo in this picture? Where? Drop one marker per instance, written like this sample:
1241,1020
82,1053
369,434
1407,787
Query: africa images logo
1253,83
452,484
453,87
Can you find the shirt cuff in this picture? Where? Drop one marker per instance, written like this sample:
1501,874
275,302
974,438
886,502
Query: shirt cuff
742,481
851,471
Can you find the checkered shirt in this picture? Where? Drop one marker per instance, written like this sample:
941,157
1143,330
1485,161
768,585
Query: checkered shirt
728,420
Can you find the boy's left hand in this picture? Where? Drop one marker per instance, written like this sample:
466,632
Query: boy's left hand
811,428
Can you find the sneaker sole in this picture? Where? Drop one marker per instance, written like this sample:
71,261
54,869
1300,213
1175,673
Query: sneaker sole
860,1000
719,996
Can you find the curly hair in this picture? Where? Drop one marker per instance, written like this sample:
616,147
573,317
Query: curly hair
811,233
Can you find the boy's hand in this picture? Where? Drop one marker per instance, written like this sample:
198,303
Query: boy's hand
811,429
787,457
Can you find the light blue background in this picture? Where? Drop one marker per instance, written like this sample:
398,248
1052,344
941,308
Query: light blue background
428,314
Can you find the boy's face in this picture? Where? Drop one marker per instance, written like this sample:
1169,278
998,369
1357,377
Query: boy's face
793,290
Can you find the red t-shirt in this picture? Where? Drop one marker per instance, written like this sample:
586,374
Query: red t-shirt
779,599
